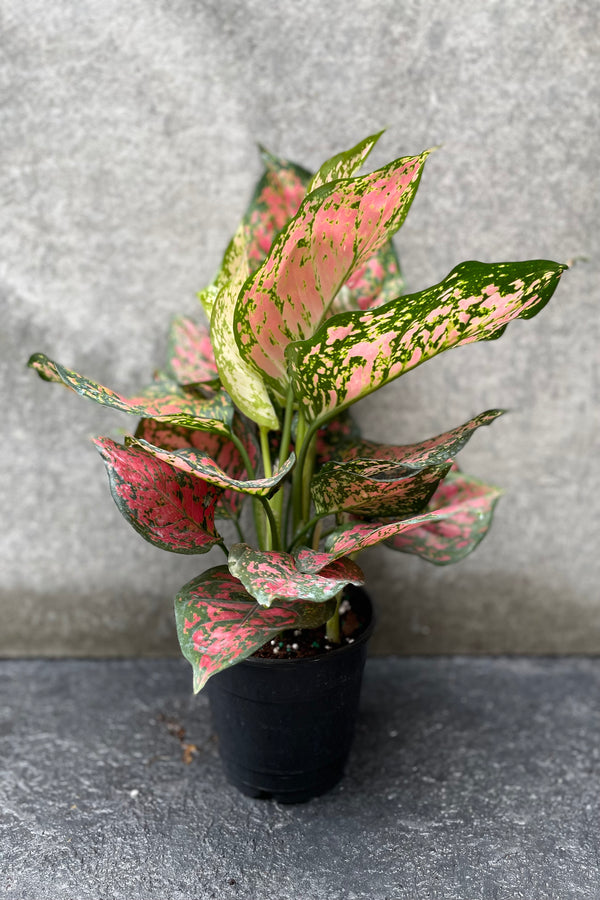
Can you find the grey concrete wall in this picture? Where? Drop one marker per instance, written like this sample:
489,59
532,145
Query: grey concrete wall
128,154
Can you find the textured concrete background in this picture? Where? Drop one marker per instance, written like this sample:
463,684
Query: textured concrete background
128,154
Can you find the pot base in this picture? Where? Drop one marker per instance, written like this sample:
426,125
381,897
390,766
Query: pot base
283,788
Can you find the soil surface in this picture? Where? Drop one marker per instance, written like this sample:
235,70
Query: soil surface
307,642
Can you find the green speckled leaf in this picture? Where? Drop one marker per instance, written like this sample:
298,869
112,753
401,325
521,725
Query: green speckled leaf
269,576
186,407
455,521
336,230
218,447
169,509
345,164
201,465
243,383
220,624
433,451
356,353
367,487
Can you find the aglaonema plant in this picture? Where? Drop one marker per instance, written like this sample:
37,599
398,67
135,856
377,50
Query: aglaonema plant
308,315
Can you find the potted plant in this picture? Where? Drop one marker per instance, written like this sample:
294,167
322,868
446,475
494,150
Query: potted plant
307,315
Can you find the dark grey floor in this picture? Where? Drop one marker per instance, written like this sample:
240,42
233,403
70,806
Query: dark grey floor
470,778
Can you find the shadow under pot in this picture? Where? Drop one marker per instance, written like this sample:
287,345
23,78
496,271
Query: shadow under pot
285,726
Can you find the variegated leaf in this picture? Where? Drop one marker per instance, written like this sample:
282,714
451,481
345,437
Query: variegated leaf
310,561
189,352
345,164
337,228
186,407
229,266
169,509
436,450
203,466
468,506
464,503
245,386
377,282
339,433
220,624
209,294
356,353
269,575
218,447
276,199
367,487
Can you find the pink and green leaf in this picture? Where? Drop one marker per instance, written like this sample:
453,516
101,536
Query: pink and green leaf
336,230
377,282
366,487
220,624
309,561
340,433
243,383
220,448
190,357
345,164
468,506
169,509
183,407
203,466
456,520
276,199
270,575
355,353
436,450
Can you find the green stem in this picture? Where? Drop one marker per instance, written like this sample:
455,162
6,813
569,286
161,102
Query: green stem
307,474
266,451
223,547
244,454
284,449
272,539
238,528
305,529
257,513
332,629
273,512
297,477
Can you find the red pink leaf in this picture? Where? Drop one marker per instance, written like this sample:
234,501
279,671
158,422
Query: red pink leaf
219,623
456,520
190,354
169,509
468,507
199,464
220,448
269,576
